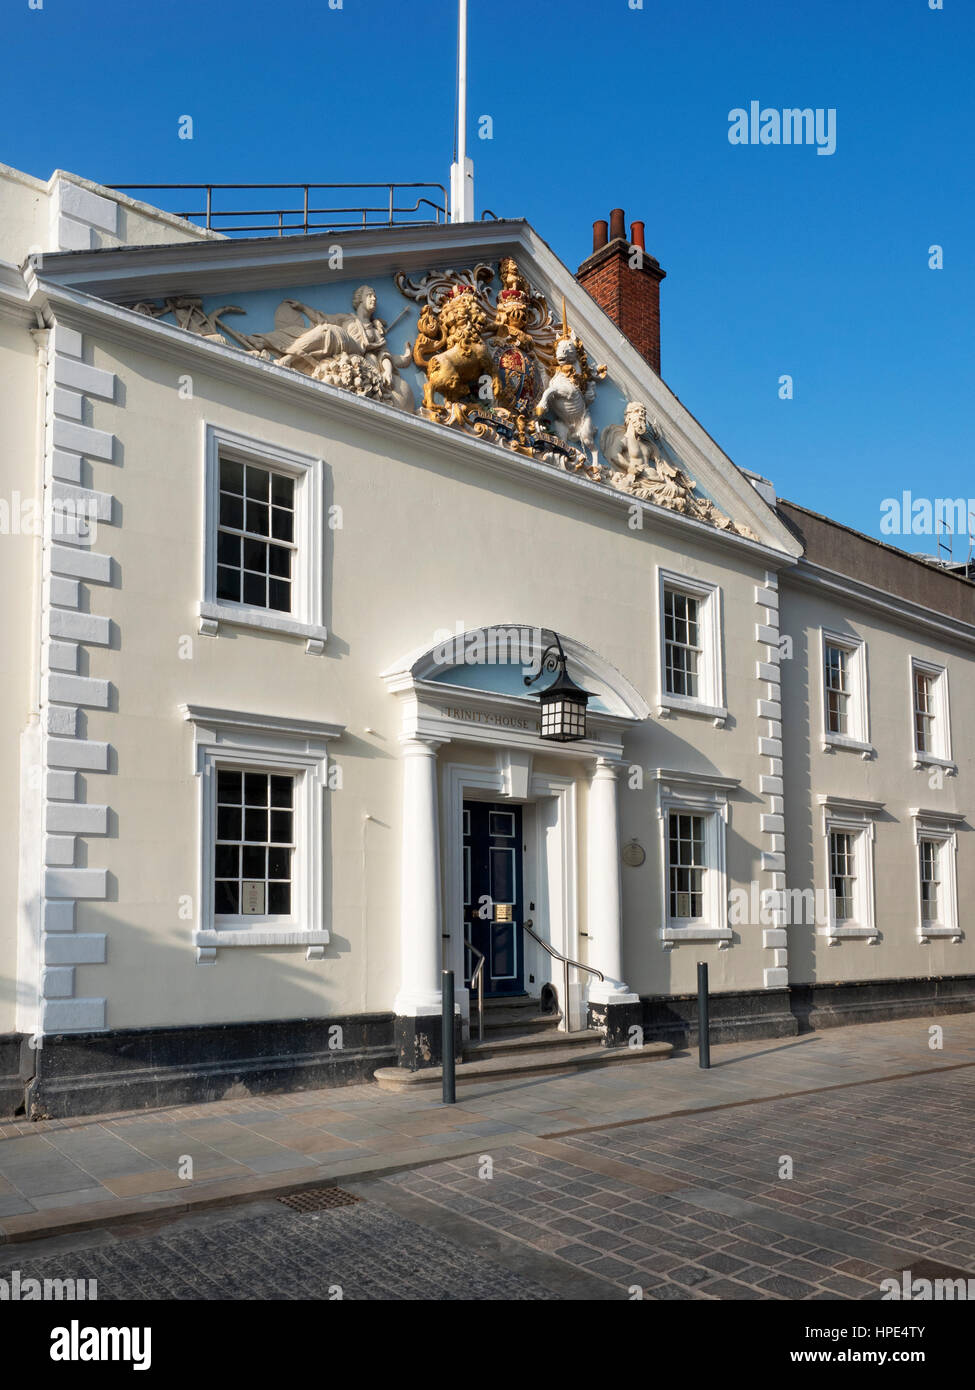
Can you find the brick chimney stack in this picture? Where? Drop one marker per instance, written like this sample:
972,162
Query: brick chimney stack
625,282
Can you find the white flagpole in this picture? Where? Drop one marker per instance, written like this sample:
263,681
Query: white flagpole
462,170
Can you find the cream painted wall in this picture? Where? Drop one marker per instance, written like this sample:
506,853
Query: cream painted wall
889,777
425,544
19,503
26,204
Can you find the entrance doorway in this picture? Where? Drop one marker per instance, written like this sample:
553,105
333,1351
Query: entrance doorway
493,889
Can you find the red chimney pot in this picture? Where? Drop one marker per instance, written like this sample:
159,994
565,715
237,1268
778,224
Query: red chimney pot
625,286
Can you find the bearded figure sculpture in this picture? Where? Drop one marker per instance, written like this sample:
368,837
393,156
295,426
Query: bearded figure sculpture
630,447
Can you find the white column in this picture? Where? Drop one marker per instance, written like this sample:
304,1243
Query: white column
420,954
605,901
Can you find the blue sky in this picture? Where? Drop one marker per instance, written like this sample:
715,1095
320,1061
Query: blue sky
779,260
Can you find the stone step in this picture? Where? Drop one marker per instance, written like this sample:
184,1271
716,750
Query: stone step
514,1021
541,1043
536,1063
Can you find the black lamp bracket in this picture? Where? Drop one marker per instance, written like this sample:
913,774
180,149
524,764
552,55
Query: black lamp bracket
552,659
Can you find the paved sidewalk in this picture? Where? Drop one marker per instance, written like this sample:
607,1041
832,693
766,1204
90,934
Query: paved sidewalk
64,1175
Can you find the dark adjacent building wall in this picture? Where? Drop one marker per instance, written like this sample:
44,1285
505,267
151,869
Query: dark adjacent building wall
836,547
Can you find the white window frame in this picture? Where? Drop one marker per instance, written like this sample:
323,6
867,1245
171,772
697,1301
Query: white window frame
942,718
855,818
266,743
697,796
308,580
858,739
711,699
940,828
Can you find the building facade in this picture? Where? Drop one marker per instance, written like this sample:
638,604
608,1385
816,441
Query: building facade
289,523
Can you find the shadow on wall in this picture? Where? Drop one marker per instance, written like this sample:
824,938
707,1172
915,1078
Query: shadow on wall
138,1068
648,968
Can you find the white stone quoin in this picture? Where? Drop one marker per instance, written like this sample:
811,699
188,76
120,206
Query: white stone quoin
420,917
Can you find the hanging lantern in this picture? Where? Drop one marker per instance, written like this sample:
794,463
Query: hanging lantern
563,703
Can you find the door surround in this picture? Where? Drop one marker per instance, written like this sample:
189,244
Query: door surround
462,782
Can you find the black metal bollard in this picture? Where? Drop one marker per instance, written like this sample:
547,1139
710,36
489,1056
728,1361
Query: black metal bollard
447,1040
703,1020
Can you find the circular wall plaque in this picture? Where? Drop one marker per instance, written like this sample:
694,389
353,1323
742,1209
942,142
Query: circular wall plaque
633,854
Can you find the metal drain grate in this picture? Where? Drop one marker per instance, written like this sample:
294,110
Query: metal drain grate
319,1199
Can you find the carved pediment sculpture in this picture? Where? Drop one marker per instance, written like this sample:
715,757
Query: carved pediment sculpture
489,360
188,313
501,369
450,348
571,391
637,466
631,446
348,350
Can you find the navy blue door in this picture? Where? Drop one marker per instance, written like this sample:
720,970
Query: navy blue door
493,894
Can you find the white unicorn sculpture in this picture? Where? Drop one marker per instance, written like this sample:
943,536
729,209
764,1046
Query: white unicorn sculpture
571,391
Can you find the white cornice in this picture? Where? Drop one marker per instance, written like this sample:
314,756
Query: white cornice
808,575
208,717
88,313
14,299
947,819
706,780
275,262
850,805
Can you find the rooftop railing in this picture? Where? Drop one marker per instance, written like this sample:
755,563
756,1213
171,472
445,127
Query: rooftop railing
221,207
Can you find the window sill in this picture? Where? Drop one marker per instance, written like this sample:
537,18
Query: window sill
838,934
853,745
945,933
922,760
262,619
668,705
208,942
670,936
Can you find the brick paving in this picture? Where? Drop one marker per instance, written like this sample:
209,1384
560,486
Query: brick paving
358,1253
63,1174
694,1207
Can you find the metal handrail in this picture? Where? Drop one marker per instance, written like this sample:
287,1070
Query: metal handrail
299,219
478,979
566,962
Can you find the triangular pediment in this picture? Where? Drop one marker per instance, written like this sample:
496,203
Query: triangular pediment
478,327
